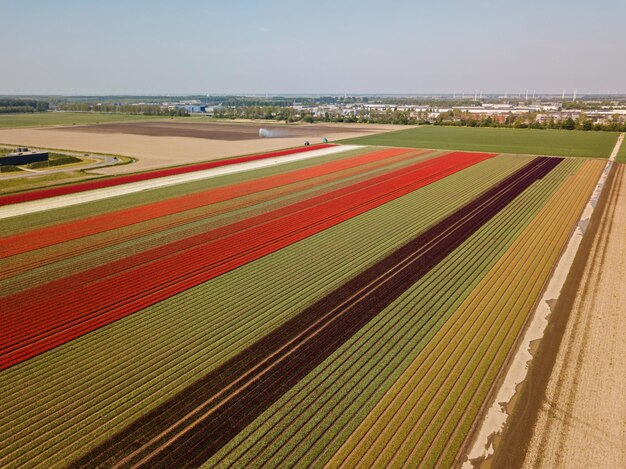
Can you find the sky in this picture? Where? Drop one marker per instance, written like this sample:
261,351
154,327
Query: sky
315,46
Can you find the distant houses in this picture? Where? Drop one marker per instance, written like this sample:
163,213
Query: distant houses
193,108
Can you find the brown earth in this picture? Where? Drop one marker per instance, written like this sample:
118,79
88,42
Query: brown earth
160,144
218,130
572,411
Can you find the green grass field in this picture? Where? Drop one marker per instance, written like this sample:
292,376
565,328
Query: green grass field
621,156
14,185
521,141
43,119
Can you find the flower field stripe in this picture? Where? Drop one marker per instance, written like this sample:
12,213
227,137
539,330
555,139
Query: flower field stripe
572,200
190,334
54,313
195,424
223,248
307,424
31,221
425,417
52,235
115,181
404,179
104,193
45,265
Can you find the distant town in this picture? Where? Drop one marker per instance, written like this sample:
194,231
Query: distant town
565,111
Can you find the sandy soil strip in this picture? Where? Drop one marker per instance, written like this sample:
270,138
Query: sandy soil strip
99,194
496,417
582,419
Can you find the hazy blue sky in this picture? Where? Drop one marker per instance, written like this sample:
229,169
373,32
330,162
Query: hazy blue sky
315,46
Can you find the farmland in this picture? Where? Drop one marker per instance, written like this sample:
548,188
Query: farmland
162,143
44,119
586,429
214,130
350,309
621,156
518,141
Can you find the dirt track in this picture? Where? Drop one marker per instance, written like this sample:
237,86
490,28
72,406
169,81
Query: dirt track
582,418
171,144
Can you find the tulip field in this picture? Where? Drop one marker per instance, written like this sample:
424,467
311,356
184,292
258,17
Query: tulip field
352,309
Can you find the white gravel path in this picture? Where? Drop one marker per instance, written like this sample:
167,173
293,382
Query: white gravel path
123,189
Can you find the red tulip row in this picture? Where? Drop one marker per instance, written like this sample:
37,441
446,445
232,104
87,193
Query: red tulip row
77,229
100,183
300,182
46,316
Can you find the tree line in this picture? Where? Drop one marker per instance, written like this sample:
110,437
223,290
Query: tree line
118,108
19,105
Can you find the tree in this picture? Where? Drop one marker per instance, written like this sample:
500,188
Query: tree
568,124
587,124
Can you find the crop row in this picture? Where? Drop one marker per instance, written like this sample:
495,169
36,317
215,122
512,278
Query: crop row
45,265
87,226
308,422
232,228
116,181
138,374
97,232
108,269
30,221
222,403
458,423
91,299
329,380
425,417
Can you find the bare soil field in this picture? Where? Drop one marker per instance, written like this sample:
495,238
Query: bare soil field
582,420
217,131
159,144
574,413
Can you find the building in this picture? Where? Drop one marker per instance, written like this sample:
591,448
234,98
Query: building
23,156
193,108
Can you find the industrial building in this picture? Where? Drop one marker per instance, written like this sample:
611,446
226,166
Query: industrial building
23,156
